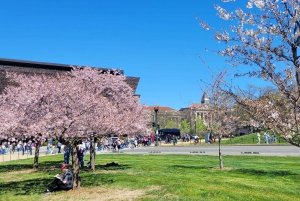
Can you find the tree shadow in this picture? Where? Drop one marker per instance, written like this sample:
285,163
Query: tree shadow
38,185
112,166
49,165
14,167
29,186
25,187
273,173
43,166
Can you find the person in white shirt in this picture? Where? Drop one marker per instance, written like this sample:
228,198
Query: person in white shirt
258,138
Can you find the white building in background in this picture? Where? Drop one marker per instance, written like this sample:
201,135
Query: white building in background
191,113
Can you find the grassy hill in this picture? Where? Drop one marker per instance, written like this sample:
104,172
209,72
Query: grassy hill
251,139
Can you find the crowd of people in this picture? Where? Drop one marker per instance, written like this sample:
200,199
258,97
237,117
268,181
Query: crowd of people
19,147
171,139
267,138
107,144
117,144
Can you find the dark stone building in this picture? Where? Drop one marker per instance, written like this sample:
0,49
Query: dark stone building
33,67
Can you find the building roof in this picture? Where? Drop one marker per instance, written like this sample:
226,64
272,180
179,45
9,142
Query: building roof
195,105
160,108
40,65
29,67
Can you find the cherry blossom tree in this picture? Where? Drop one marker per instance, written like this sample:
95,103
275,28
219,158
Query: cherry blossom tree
119,112
21,111
84,103
262,42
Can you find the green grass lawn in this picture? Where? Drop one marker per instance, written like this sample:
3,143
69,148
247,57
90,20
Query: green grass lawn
159,177
251,139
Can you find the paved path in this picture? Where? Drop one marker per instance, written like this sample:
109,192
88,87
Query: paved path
226,150
262,150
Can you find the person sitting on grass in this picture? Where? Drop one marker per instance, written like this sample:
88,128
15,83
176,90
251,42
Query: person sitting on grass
61,182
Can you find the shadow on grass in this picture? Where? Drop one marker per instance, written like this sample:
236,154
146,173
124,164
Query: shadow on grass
273,173
112,167
43,166
25,187
54,166
14,167
38,185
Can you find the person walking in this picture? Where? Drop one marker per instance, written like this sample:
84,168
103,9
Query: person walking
273,137
29,147
105,144
266,138
48,148
66,154
118,145
174,140
8,148
24,147
19,146
59,146
13,147
258,138
80,153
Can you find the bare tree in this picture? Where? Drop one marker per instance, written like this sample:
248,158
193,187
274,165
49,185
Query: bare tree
224,120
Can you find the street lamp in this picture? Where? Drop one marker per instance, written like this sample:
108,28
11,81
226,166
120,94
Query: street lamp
195,127
195,121
156,108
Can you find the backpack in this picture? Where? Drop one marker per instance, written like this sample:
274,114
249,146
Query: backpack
81,150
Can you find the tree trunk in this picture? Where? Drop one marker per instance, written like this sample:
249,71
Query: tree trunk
220,154
77,180
36,155
92,155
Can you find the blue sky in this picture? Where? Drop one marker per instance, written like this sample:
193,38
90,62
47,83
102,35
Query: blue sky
156,40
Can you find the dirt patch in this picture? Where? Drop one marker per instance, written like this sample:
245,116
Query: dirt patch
98,193
224,168
152,188
171,196
108,172
115,172
21,172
